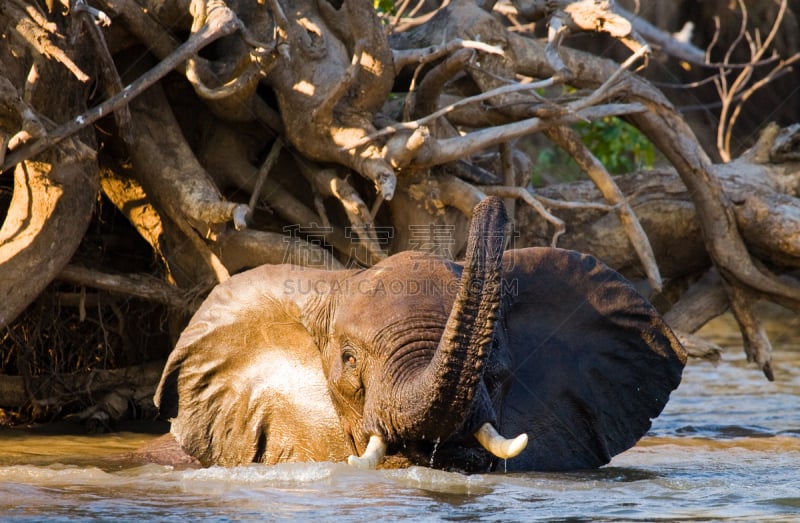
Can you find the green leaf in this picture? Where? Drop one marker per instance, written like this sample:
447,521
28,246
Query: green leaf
385,6
620,146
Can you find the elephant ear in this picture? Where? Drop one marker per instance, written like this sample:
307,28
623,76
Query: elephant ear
593,362
245,382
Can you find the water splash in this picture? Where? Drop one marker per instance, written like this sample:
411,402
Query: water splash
435,448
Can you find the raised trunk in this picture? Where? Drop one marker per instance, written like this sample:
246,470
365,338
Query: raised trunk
445,390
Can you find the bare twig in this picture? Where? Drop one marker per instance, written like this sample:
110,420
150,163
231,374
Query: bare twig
403,58
735,93
667,43
568,140
452,149
524,195
607,86
222,24
561,204
113,82
757,346
444,110
780,68
411,21
263,171
327,183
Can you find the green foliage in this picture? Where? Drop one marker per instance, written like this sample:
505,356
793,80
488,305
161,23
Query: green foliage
386,6
621,147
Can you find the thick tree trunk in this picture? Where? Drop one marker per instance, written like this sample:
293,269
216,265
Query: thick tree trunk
764,205
54,194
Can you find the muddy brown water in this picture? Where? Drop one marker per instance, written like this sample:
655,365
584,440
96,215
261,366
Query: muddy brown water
726,448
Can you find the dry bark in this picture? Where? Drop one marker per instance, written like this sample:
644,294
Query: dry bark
335,78
53,193
665,209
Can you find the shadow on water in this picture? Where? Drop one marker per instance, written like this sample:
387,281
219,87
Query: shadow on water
725,431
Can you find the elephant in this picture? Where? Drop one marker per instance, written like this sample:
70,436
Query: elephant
423,360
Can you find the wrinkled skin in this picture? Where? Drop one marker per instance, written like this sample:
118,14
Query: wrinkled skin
289,364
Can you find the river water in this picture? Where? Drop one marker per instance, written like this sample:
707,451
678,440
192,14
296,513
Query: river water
726,448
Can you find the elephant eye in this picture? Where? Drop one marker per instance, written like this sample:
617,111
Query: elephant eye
349,359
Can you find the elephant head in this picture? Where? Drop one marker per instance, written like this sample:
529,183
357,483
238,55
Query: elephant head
283,363
290,363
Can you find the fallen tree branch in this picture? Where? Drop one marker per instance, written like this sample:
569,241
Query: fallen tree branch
37,32
452,149
168,241
660,200
406,57
665,42
263,172
139,285
53,195
60,389
699,348
664,207
327,183
223,24
307,84
170,172
225,156
702,302
113,83
664,127
251,248
757,346
410,126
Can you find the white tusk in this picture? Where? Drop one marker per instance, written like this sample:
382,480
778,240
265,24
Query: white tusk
501,447
373,455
